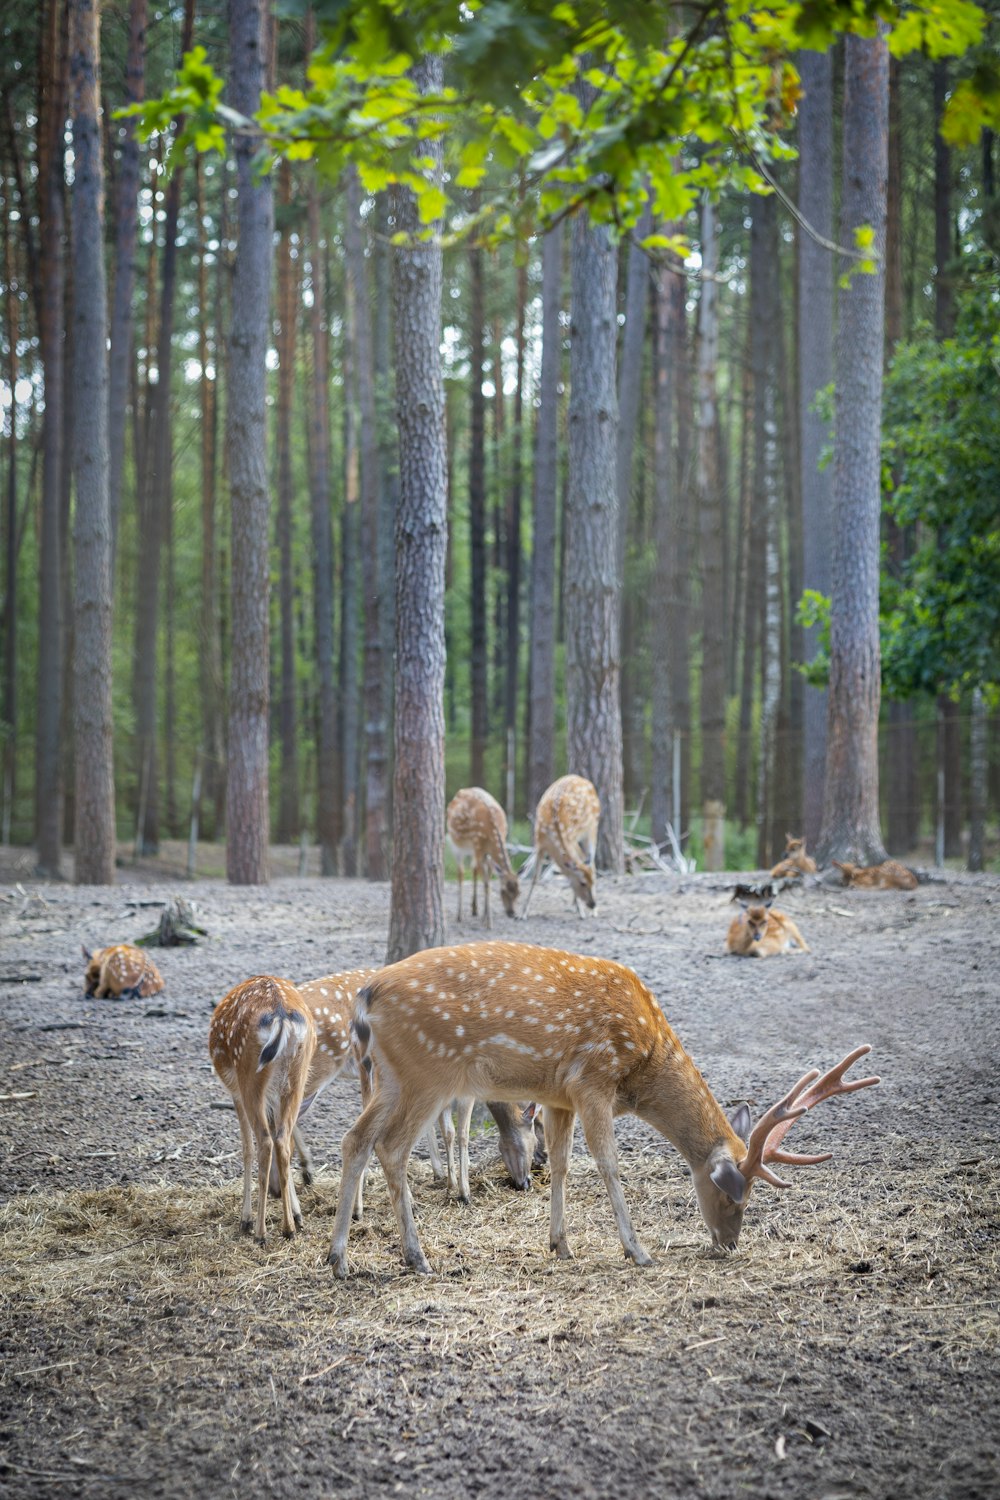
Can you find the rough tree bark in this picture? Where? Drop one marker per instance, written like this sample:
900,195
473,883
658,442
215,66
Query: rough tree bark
665,540
350,567
94,840
210,665
815,328
512,538
713,658
851,828
542,689
248,801
630,370
592,579
477,517
287,300
417,909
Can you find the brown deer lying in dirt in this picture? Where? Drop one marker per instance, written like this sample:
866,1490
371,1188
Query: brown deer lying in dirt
477,830
261,1040
581,1035
890,875
120,973
759,932
566,829
796,861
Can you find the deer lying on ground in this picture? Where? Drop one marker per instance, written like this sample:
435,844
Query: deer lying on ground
796,861
890,875
120,973
566,832
331,1001
759,932
261,1040
477,830
584,1037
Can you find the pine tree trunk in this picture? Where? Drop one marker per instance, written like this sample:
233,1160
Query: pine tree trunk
477,518
48,774
388,450
126,219
512,529
592,580
417,912
978,764
541,750
713,661
248,802
376,831
666,490
815,340
287,299
95,793
350,564
637,298
850,811
210,665
8,699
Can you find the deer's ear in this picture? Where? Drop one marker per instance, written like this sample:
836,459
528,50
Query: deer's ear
740,1121
729,1179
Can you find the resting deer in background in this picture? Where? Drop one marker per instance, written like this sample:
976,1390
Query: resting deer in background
566,832
120,973
796,861
261,1040
477,830
331,1001
759,932
890,875
583,1036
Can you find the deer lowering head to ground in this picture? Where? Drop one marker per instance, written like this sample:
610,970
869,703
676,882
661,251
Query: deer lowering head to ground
759,932
796,861
582,1036
477,830
566,832
261,1040
120,973
890,875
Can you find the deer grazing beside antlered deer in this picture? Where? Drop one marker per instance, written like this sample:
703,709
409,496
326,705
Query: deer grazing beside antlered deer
120,973
477,830
261,1040
582,1036
566,822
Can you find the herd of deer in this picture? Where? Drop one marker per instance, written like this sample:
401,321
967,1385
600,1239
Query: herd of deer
504,1023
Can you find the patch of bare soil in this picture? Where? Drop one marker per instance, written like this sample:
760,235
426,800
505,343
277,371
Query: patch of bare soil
847,1349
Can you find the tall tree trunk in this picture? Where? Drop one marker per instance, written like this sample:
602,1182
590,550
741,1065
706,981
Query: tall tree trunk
287,299
8,697
683,554
376,832
713,659
477,518
170,650
417,911
388,452
126,219
592,580
815,338
665,541
350,564
978,764
95,790
850,810
210,656
749,621
637,297
327,821
512,529
541,748
52,116
248,804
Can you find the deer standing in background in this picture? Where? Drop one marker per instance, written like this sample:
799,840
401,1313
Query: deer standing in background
566,832
890,875
583,1036
796,861
261,1040
477,830
120,973
759,932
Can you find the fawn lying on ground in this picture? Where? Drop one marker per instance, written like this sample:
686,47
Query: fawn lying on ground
759,932
796,861
261,1040
566,832
890,875
477,830
120,973
583,1036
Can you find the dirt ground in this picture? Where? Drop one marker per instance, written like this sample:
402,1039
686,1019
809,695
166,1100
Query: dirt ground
847,1349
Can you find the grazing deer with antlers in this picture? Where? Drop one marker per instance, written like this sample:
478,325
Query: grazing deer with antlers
477,830
566,832
331,1001
759,932
261,1040
890,875
796,861
120,973
583,1036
